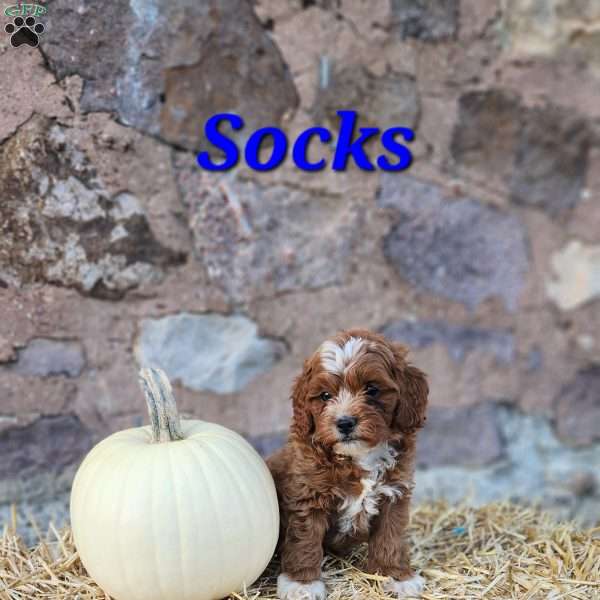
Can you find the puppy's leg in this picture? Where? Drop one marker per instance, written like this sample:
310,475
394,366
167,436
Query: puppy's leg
301,556
388,550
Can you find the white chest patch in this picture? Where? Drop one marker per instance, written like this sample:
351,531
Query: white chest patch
356,512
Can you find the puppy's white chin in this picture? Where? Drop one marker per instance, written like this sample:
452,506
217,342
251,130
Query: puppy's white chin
409,588
288,589
352,448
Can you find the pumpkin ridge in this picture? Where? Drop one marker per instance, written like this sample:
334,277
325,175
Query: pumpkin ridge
153,536
188,478
178,511
241,446
236,484
206,486
260,471
119,542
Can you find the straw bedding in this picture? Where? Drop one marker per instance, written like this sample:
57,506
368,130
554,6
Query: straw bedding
498,551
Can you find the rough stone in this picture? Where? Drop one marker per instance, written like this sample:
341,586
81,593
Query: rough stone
486,132
577,275
548,28
60,225
551,160
26,396
207,352
48,446
534,360
460,340
478,18
586,46
7,351
257,241
535,467
388,101
96,52
45,357
583,483
542,152
427,20
467,436
37,92
166,68
578,408
460,249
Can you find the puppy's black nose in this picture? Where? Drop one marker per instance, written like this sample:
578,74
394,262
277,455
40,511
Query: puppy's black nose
346,425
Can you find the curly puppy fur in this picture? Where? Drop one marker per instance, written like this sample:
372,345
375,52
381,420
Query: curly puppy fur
345,475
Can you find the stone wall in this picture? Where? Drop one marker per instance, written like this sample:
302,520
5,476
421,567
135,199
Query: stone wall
484,256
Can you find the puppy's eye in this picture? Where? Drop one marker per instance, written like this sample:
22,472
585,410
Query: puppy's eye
371,390
325,396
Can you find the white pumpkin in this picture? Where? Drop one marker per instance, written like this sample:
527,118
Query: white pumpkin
175,511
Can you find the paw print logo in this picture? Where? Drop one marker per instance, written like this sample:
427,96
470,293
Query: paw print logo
24,31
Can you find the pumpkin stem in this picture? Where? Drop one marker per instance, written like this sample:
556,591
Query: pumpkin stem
161,405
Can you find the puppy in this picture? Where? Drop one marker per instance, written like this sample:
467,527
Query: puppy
345,475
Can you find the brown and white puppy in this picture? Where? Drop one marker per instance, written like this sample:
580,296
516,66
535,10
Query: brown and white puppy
345,475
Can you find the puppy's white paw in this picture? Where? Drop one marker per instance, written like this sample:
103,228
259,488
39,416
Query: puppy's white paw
288,589
409,588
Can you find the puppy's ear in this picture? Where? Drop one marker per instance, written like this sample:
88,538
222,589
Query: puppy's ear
303,424
411,409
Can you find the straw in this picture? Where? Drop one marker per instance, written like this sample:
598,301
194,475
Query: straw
498,551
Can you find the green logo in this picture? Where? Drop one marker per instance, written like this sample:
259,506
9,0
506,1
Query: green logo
23,10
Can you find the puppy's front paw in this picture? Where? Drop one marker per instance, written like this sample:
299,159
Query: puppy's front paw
408,588
288,589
